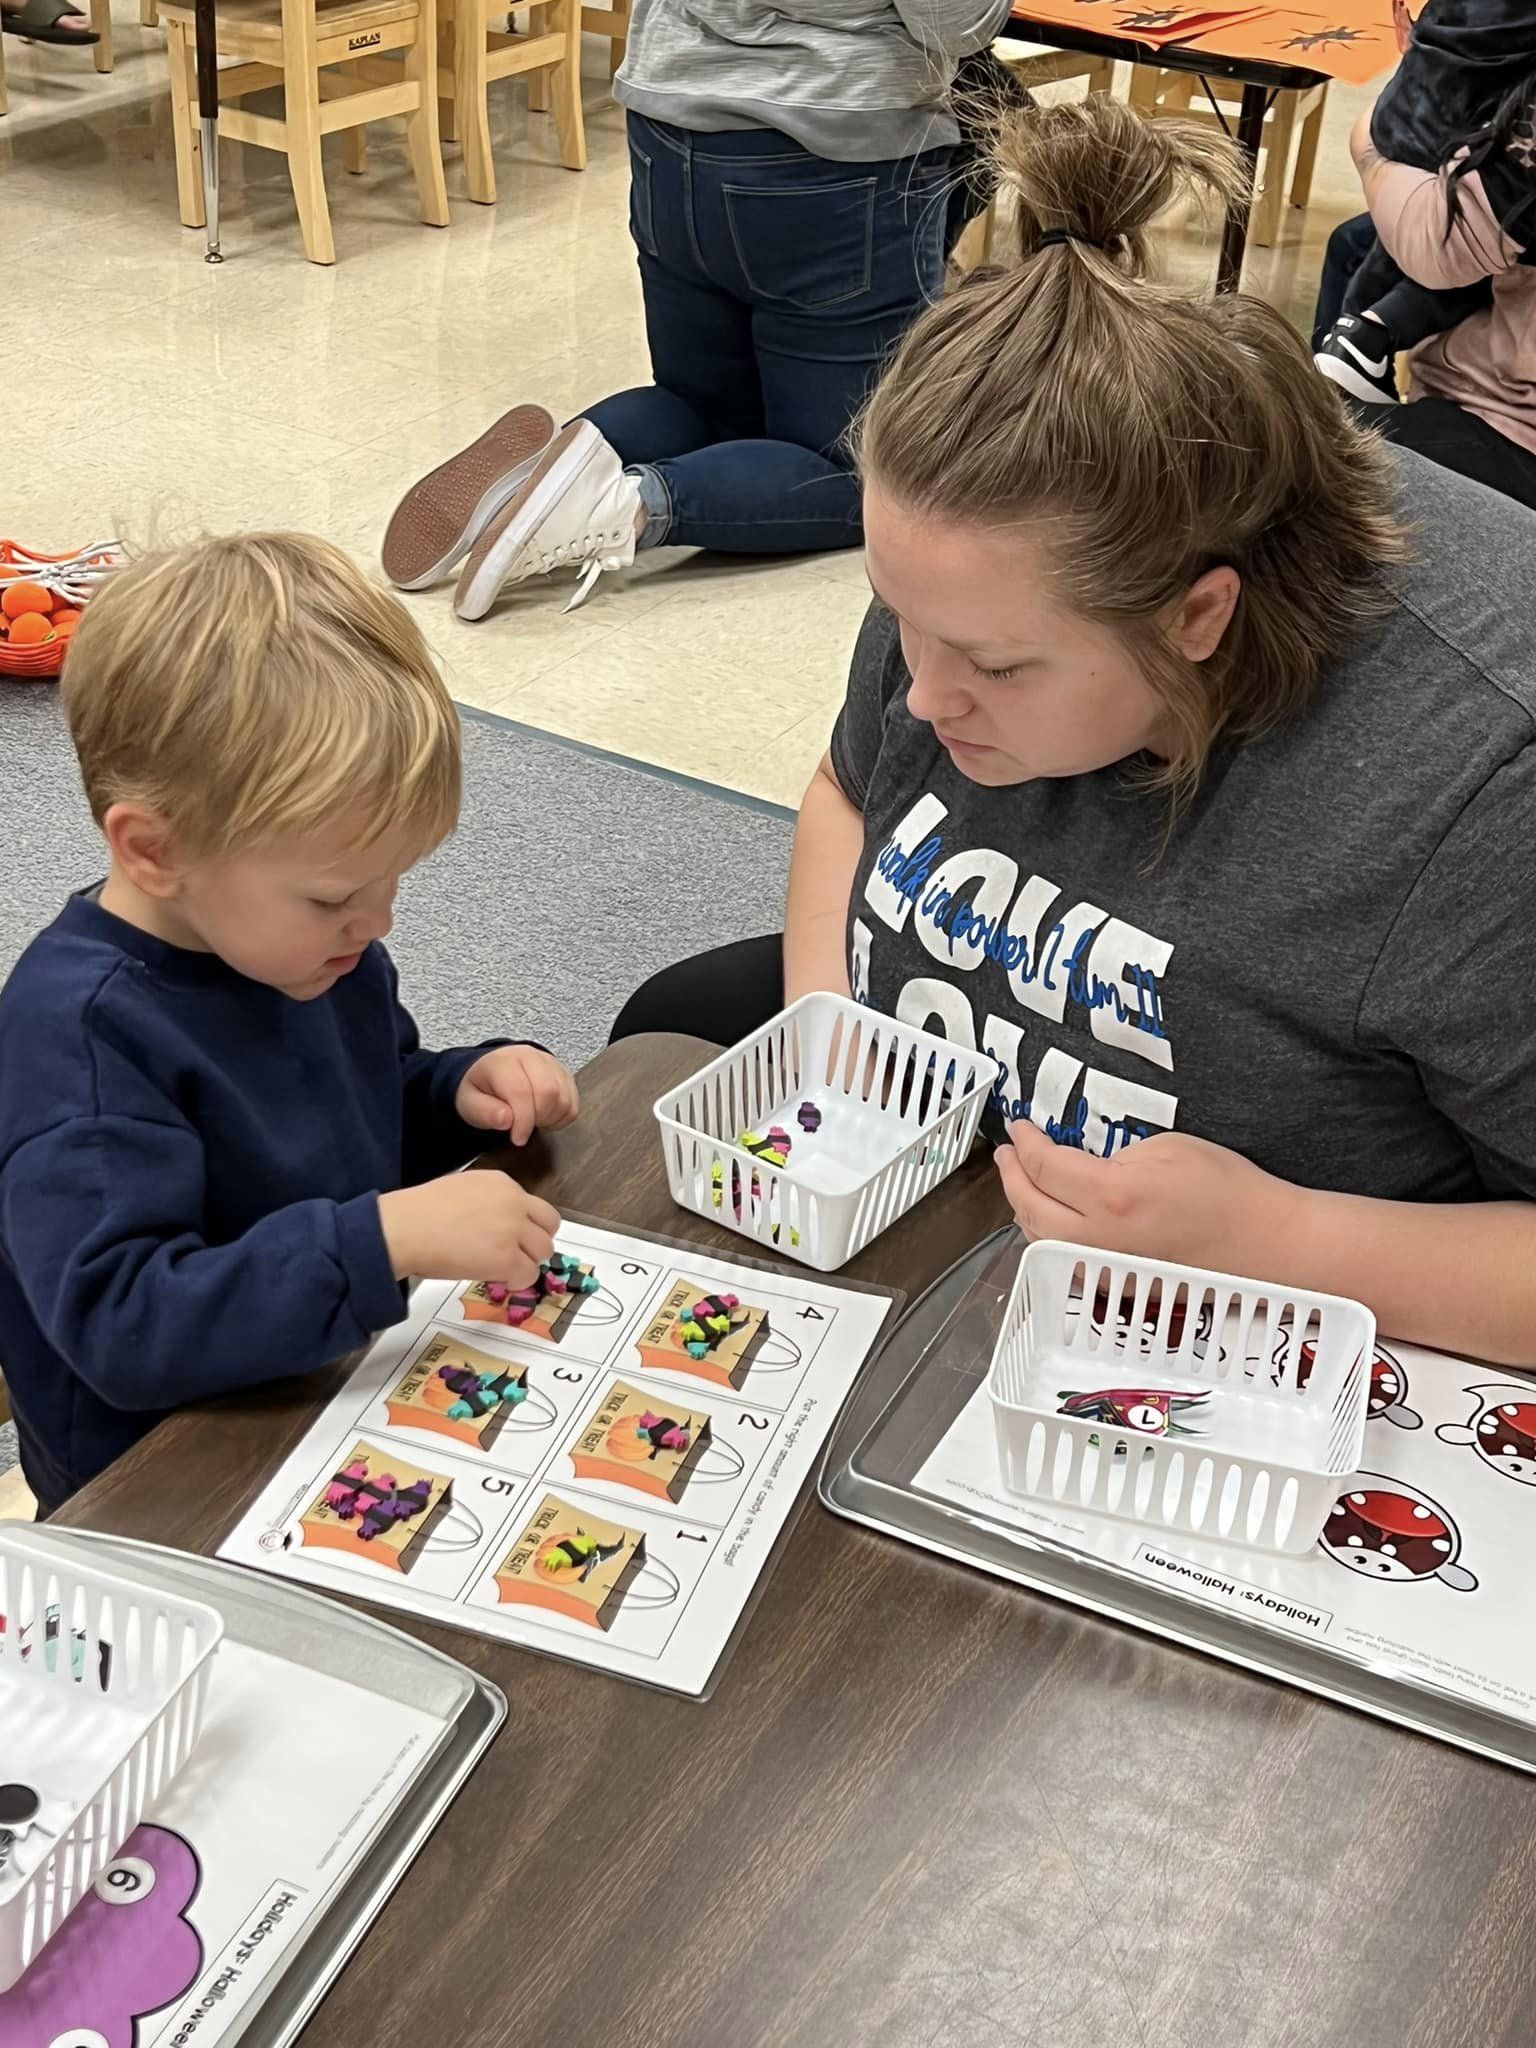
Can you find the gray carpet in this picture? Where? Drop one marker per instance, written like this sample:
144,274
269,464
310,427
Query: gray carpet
617,868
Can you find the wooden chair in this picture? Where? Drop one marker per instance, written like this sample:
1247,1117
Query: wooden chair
612,22
473,53
1155,92
1031,68
301,46
99,14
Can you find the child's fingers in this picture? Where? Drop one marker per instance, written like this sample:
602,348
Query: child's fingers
518,1093
538,1243
561,1102
483,1108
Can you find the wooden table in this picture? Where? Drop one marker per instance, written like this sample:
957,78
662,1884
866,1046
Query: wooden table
922,1807
1259,79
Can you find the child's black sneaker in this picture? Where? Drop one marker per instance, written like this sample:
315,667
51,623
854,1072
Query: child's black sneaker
1359,357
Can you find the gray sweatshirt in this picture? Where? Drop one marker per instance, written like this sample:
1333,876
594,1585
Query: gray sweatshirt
860,81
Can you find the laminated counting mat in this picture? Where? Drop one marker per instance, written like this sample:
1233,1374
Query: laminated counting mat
596,1466
1409,1605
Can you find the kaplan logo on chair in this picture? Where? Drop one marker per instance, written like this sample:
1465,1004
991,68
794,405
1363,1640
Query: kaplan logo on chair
365,42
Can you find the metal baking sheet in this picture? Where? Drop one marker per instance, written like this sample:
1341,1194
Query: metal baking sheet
929,1369
307,1630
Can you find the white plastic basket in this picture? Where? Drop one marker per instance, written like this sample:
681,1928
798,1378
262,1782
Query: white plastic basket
898,1113
1276,1382
102,1687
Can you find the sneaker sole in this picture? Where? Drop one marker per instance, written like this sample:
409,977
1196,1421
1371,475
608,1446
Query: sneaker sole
1355,382
444,514
516,524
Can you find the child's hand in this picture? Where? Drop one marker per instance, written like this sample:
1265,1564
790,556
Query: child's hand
519,1090
468,1226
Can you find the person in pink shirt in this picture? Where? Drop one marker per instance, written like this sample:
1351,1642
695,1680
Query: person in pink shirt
1473,386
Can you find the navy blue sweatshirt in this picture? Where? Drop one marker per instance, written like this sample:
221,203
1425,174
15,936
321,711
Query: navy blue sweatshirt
190,1166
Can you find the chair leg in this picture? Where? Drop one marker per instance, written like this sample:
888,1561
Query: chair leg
447,120
1281,127
1146,80
1179,90
149,14
184,128
1100,76
101,22
565,84
620,43
5,97
470,91
301,124
538,81
421,137
1306,152
354,143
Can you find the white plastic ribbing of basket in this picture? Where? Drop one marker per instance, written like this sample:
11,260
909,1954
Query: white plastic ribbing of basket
899,1113
1280,1380
102,1689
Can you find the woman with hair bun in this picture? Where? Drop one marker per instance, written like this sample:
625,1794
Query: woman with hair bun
1188,766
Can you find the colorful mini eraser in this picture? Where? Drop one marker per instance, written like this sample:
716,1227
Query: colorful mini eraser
662,1432
808,1117
773,1150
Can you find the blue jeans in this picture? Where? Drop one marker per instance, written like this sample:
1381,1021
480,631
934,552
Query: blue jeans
776,283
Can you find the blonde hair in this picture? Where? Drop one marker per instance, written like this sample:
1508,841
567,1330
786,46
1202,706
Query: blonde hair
1146,434
259,685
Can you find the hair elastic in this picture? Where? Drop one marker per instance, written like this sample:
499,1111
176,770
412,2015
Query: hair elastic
1054,235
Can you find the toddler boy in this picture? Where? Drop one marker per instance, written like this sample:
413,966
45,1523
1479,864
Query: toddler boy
222,1145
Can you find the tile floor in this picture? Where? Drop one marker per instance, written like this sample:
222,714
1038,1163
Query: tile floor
154,396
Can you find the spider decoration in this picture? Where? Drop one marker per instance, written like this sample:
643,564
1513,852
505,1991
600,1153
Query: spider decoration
1152,17
1319,39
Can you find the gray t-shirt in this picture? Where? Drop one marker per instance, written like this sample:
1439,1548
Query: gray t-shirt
1332,967
857,81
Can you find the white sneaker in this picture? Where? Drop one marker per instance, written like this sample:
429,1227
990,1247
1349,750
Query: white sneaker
578,510
439,519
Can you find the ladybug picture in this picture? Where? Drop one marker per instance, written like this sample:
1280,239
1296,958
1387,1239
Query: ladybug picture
1388,1396
1386,1529
1178,1319
1502,1431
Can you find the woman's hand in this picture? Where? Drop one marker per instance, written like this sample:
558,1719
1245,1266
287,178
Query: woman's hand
1169,1197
